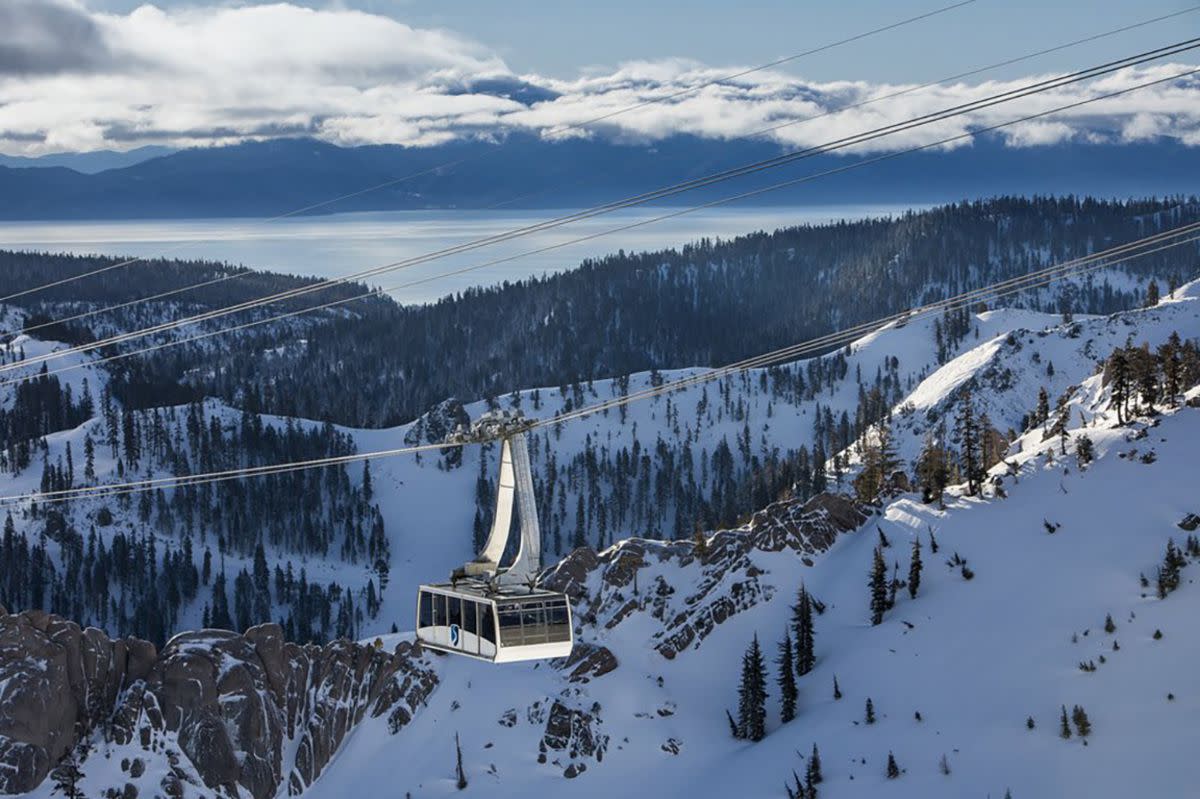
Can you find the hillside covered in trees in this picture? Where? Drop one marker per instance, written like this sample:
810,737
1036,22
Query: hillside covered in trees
376,363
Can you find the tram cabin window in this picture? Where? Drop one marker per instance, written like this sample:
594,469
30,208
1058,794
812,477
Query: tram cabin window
426,610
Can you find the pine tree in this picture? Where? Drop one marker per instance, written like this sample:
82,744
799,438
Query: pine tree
1117,374
814,769
1172,367
67,775
733,726
1152,295
1082,724
89,459
933,469
752,694
1064,725
1042,413
870,715
1168,574
969,439
787,680
914,568
579,539
893,769
1085,450
878,585
837,689
220,605
460,775
802,625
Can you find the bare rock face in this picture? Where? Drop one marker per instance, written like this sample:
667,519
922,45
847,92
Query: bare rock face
588,662
809,528
572,736
236,705
721,578
54,680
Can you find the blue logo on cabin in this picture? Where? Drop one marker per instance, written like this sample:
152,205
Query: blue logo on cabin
454,634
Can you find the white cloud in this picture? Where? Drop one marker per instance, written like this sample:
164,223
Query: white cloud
1144,126
1036,133
222,74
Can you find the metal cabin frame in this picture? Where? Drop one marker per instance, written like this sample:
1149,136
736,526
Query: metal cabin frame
500,626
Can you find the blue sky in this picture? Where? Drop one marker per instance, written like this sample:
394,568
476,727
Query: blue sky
561,37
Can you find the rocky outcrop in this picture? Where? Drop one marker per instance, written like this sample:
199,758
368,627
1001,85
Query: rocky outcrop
246,711
571,737
693,586
587,662
56,679
434,425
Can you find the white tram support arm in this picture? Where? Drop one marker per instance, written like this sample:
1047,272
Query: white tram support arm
515,482
528,563
497,539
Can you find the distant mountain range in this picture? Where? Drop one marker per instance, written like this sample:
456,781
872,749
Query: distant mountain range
89,163
277,176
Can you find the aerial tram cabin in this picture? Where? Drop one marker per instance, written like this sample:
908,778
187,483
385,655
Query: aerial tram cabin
503,626
488,611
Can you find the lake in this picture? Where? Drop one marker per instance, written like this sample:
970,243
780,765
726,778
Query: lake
342,244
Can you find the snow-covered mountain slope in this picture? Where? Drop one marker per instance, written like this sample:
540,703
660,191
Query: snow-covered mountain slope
1005,372
974,658
641,706
707,455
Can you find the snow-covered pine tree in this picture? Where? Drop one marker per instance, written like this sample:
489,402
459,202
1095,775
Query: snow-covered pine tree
1085,450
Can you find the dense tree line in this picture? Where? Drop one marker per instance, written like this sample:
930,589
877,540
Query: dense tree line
168,548
375,362
41,405
1141,379
133,583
